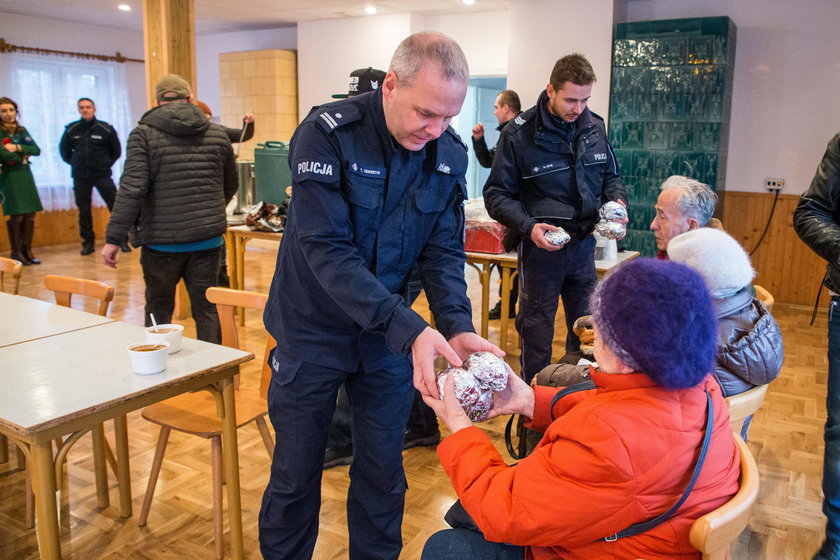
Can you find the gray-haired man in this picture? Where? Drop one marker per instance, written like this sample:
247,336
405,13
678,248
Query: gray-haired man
684,204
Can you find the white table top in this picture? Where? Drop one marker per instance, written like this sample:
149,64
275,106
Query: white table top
48,381
25,319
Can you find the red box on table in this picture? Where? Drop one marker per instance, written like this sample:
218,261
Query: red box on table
484,237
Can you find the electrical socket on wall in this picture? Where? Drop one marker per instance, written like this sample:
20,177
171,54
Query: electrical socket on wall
774,184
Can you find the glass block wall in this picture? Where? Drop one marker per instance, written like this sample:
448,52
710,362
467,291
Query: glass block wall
669,109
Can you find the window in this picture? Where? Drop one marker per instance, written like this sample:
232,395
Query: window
46,89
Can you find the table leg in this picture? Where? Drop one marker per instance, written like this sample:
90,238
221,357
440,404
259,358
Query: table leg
230,455
123,470
99,468
4,449
230,247
503,323
240,271
46,511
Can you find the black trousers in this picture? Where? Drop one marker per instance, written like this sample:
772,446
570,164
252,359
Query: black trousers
83,189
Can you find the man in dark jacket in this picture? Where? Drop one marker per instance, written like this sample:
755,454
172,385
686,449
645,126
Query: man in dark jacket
506,107
378,186
817,221
179,176
553,167
91,147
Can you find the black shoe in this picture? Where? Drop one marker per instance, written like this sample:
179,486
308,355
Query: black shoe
87,249
830,550
125,247
496,312
416,439
337,457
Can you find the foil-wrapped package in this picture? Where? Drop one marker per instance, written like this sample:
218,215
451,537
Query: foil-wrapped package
482,374
611,230
558,237
488,369
612,211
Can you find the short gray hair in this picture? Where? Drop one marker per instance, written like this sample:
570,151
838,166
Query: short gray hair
697,200
420,49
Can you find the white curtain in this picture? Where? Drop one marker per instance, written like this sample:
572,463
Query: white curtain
46,89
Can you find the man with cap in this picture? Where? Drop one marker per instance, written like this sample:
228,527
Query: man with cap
179,175
378,182
599,469
91,147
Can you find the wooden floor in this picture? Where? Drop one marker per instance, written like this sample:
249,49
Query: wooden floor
786,439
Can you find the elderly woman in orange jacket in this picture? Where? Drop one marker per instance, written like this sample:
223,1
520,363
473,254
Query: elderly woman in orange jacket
619,454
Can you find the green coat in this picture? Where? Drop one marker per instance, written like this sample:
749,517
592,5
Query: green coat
17,185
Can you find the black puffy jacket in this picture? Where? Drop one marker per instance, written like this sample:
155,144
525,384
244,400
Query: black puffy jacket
179,175
817,217
750,349
90,147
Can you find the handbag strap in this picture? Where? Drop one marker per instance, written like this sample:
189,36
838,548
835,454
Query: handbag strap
639,528
582,386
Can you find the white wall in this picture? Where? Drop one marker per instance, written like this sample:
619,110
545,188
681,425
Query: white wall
542,31
208,48
785,105
483,36
328,50
75,37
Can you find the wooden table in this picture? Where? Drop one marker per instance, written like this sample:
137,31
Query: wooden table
236,238
26,319
507,263
68,383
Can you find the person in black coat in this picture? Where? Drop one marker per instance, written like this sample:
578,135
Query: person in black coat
91,147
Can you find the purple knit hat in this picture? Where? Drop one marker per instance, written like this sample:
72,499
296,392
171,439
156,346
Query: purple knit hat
658,318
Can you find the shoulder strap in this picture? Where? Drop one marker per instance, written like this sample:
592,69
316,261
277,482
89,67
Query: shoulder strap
582,386
639,528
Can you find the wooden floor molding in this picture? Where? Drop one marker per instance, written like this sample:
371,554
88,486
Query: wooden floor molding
786,439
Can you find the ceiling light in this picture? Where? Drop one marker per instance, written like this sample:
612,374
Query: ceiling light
468,2
370,10
124,7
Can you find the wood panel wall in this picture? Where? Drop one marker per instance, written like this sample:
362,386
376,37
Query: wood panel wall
57,227
784,264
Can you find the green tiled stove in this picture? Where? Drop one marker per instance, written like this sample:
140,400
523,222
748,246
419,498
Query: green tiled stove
669,109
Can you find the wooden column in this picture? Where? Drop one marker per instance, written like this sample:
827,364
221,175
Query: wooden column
169,42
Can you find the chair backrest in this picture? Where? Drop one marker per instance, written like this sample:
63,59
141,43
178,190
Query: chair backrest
712,533
65,287
10,270
744,404
765,296
226,301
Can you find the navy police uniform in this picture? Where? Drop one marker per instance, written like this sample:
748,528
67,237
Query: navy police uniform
91,148
549,171
364,210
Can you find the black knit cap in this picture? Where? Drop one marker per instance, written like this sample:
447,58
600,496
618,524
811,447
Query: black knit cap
658,318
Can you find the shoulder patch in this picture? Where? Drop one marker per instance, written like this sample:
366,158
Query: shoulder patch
454,133
336,115
519,120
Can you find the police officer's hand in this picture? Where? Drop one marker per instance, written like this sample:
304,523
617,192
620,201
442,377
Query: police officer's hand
538,237
449,409
109,254
465,343
478,131
426,347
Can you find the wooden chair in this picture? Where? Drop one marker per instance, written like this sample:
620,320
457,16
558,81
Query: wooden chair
195,413
765,296
743,405
10,269
712,533
65,287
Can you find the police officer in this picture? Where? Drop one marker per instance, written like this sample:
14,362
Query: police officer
378,183
553,167
91,147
